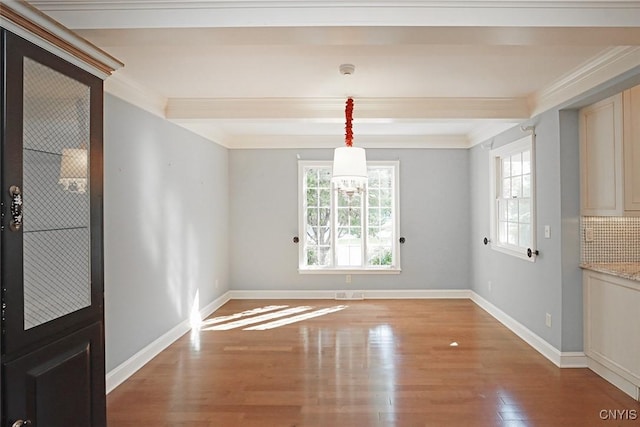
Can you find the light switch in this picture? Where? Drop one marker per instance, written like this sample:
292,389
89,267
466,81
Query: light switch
547,231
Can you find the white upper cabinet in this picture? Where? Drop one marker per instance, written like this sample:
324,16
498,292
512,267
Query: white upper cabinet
601,157
610,156
631,149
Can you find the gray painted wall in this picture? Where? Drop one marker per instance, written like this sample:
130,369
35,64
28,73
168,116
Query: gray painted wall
572,336
524,290
166,226
434,207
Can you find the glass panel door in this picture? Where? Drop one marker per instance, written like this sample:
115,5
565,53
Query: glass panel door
56,222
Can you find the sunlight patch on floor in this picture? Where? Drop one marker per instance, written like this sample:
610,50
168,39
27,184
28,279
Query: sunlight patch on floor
257,319
258,316
246,313
295,319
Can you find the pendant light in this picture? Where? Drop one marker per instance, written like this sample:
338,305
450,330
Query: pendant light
349,163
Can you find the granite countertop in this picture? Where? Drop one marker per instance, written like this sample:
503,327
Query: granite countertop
626,270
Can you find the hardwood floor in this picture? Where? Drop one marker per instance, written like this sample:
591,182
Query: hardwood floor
373,363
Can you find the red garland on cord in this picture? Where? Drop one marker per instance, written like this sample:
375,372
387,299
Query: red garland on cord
348,112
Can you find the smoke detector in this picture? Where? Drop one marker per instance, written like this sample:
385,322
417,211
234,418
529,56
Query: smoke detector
347,69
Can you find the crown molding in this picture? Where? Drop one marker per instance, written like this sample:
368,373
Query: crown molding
211,133
213,13
488,131
611,63
22,19
368,108
134,93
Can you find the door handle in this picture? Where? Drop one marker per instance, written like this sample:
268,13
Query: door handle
16,209
21,423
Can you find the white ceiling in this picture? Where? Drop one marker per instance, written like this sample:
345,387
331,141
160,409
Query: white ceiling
265,73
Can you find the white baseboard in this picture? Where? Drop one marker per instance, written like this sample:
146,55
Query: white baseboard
288,294
120,373
622,383
560,359
368,294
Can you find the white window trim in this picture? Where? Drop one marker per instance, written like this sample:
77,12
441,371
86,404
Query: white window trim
303,269
528,142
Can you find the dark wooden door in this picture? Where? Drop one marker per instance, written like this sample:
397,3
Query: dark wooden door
51,266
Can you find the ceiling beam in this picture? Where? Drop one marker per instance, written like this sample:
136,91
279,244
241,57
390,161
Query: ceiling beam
367,108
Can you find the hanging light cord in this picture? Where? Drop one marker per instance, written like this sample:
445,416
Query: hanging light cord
348,112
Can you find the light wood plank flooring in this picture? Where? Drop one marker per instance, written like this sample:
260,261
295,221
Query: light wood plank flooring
373,363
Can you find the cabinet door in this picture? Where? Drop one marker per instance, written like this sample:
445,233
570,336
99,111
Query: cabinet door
52,386
601,158
51,266
632,151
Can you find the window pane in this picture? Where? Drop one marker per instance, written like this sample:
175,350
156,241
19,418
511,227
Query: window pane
325,198
349,235
526,186
385,178
343,216
374,177
525,235
516,186
516,164
506,188
349,248
385,216
318,256
502,232
312,256
312,216
349,256
512,210
353,200
312,197
374,197
379,255
502,209
324,180
312,178
385,198
324,216
356,232
526,162
506,167
513,234
524,211
374,217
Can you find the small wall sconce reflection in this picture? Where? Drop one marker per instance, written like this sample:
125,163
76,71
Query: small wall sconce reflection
73,170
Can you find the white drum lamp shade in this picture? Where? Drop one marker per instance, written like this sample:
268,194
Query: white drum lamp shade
73,170
349,167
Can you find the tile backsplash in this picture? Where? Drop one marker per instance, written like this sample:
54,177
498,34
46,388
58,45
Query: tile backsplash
614,239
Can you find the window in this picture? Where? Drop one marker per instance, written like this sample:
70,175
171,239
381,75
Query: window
513,198
342,233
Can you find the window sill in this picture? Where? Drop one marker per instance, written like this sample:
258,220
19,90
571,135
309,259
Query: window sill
515,253
349,271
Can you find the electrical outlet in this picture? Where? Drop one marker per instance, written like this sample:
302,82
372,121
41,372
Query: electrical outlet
489,285
348,278
547,231
217,284
547,320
